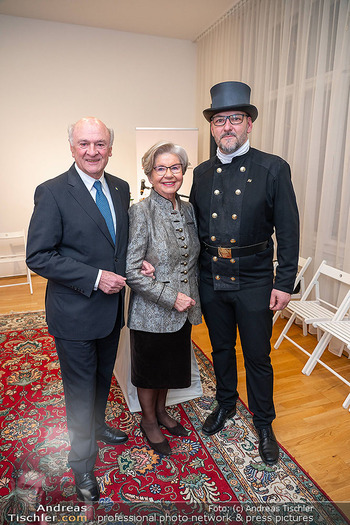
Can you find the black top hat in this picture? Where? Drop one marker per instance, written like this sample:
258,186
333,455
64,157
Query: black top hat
230,95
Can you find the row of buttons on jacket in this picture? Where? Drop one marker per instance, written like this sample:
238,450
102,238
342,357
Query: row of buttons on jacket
241,169
234,217
182,238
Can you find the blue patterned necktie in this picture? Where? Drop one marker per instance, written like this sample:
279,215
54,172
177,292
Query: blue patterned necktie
103,206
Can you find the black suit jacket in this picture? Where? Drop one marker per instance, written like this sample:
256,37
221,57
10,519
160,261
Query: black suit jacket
68,242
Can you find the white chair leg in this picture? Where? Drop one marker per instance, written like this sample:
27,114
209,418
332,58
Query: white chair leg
319,334
346,403
285,330
304,329
29,280
275,317
347,349
316,354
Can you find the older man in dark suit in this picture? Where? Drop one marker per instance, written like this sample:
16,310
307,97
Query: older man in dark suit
77,240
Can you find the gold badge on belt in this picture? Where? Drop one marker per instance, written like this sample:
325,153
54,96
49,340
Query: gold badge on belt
225,253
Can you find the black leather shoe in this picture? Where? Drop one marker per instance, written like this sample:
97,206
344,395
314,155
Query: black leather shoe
86,487
112,436
216,420
268,447
162,447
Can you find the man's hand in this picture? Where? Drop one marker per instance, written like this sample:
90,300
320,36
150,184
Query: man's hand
111,282
278,300
147,269
183,302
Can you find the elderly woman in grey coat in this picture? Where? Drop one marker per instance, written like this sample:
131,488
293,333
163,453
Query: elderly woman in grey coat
162,309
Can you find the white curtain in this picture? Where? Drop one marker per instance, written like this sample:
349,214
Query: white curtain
295,55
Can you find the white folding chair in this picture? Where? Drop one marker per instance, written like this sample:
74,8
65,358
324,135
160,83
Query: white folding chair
315,311
303,265
338,327
13,252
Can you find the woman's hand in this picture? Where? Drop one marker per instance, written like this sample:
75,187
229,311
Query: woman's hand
183,302
147,269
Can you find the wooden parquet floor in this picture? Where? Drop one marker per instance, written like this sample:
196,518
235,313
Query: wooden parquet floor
311,423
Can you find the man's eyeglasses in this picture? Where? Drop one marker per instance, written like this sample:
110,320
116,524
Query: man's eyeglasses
175,169
236,119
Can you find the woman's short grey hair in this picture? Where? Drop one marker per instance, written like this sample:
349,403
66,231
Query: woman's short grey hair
71,132
150,156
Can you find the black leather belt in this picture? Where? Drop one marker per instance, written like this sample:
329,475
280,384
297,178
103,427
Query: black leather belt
238,251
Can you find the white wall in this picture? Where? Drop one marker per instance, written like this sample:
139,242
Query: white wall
53,74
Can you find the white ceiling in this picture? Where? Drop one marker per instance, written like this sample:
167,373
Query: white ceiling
184,19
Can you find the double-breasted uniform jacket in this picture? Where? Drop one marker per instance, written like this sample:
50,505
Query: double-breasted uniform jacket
68,242
168,239
242,204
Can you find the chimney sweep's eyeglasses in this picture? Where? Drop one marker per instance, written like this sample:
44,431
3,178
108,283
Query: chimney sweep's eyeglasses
235,119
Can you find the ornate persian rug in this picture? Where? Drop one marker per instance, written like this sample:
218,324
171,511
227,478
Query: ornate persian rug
218,479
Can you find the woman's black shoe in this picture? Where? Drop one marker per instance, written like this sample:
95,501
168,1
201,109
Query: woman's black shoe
177,430
162,447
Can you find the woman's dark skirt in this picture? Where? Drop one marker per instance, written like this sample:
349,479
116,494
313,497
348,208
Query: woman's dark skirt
161,360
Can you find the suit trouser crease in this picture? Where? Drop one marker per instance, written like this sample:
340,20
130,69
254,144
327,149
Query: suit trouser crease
87,368
247,309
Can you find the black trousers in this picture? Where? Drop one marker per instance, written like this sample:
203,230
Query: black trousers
87,368
247,309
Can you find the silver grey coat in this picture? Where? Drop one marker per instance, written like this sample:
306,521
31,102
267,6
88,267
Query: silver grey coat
168,239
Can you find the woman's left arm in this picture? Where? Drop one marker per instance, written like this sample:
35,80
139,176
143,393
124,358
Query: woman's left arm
139,238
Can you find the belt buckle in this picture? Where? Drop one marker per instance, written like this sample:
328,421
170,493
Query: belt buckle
225,253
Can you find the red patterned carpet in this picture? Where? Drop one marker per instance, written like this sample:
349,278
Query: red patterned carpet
218,479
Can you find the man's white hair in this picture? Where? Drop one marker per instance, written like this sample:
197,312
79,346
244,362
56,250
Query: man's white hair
72,127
